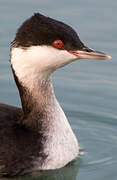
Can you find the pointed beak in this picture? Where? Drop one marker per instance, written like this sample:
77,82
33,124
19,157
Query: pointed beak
87,53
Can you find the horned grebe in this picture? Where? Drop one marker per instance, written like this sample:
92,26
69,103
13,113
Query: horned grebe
38,135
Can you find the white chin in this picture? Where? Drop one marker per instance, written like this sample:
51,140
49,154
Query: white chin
38,61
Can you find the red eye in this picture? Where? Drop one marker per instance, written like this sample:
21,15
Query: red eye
58,44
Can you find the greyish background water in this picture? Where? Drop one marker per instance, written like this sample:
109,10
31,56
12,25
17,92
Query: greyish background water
87,90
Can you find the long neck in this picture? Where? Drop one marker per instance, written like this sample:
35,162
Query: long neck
38,103
42,112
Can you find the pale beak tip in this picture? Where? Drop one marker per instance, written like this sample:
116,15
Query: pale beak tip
108,57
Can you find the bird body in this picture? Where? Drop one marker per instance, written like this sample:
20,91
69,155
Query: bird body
38,136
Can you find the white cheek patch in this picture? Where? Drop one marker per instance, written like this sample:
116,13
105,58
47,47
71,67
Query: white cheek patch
38,61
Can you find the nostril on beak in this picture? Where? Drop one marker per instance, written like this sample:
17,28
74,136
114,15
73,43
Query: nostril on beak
86,49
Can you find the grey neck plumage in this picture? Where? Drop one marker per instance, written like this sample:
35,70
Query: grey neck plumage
38,104
41,111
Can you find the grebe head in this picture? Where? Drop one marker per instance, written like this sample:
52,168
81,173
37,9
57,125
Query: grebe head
43,44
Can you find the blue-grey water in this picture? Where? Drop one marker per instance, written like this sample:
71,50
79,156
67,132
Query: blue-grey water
87,90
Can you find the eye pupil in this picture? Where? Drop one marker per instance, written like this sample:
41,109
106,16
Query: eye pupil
58,44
